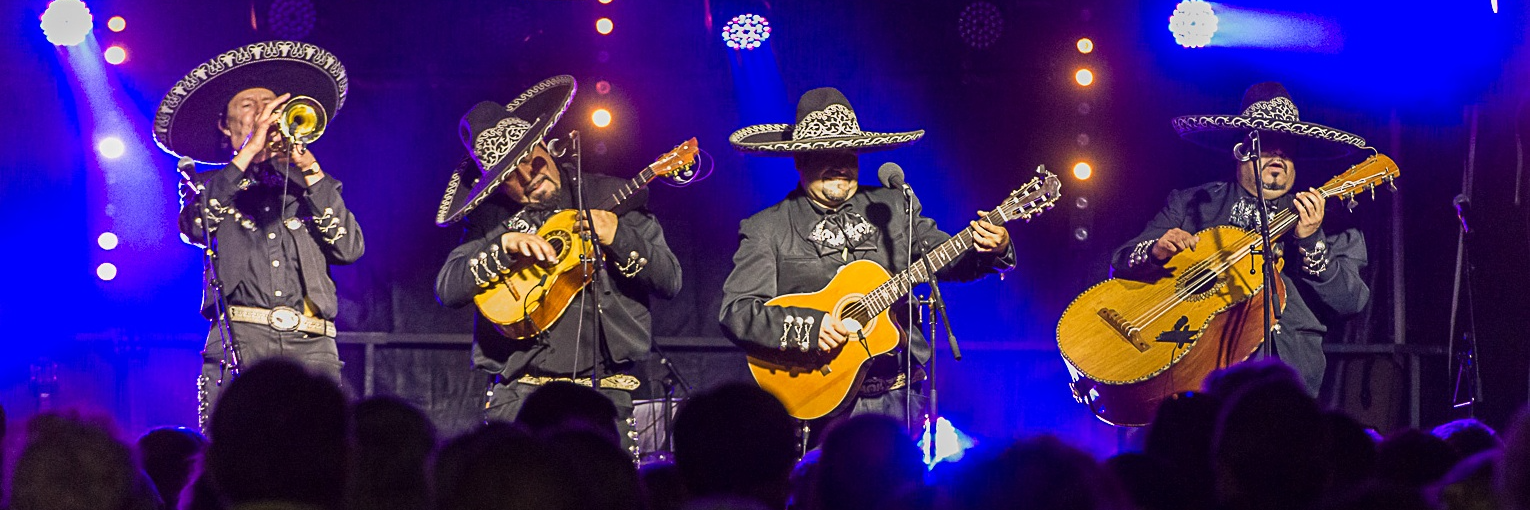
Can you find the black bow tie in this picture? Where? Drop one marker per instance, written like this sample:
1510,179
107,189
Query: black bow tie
843,230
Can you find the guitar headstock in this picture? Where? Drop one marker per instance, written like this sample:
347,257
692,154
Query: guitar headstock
1365,176
1031,199
679,164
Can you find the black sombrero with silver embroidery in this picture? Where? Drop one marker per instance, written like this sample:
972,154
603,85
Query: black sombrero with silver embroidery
187,121
825,122
1268,108
496,138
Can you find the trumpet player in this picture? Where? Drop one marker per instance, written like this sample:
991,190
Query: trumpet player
272,220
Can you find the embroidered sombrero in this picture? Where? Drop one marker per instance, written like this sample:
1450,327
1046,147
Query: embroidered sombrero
1267,108
186,123
825,122
496,138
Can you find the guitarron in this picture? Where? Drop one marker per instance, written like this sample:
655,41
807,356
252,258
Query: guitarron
534,294
814,383
1130,344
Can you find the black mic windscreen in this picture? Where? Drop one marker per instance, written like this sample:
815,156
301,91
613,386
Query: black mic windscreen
891,175
186,164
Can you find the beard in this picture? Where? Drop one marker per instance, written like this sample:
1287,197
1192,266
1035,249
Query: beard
837,191
558,198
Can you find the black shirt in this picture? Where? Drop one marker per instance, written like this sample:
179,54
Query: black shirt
276,237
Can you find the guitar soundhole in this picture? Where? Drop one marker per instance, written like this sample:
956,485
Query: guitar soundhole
558,245
1199,284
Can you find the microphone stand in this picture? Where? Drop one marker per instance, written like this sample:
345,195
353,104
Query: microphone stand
670,380
231,362
1266,246
594,264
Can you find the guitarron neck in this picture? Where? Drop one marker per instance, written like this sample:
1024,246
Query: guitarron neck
900,284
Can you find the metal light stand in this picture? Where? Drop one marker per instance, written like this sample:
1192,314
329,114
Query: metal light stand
670,380
1466,371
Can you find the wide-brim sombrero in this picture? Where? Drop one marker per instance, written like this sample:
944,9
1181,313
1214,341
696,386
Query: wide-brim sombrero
187,121
1268,109
496,138
825,122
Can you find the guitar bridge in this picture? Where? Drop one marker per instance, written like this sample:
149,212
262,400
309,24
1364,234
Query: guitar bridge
1128,332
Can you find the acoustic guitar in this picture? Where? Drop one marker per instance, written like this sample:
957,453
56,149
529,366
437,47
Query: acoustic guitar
814,383
1129,344
534,294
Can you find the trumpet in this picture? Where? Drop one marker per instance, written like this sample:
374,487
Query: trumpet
302,122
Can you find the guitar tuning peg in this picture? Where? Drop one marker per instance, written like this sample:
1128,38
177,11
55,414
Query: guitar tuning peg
1351,203
1372,187
1391,184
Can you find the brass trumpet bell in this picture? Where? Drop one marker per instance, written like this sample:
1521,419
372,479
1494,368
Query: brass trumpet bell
302,122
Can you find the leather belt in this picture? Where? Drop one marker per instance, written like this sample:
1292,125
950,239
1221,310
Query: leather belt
282,318
614,382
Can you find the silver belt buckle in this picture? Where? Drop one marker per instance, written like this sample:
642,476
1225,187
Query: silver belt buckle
284,318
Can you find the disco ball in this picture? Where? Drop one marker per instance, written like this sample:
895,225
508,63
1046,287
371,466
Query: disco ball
980,24
291,19
1193,23
746,32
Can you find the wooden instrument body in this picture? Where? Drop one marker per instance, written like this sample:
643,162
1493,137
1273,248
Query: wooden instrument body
535,294
815,383
1111,333
1231,337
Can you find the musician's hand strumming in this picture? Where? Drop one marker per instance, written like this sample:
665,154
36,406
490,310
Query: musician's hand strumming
832,333
605,226
987,237
1309,213
1173,242
527,245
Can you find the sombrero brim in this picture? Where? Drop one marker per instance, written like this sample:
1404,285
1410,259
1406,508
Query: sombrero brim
775,140
469,185
1222,132
186,123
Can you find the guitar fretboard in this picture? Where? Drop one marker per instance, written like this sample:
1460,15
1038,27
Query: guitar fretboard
900,284
628,190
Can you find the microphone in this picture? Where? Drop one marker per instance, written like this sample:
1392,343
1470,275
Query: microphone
558,147
1244,150
891,175
187,167
1463,204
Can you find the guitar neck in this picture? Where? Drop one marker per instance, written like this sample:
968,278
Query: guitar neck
630,188
899,285
1283,221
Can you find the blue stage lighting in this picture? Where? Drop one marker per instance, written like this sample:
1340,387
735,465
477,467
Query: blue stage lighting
107,241
1193,23
746,32
106,271
950,444
111,147
66,22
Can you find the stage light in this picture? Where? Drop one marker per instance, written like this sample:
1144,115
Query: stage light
1193,23
602,87
605,1
604,26
980,24
1081,234
1082,139
1085,46
601,117
1082,171
106,271
66,22
107,241
110,147
746,32
116,24
950,444
1084,77
116,55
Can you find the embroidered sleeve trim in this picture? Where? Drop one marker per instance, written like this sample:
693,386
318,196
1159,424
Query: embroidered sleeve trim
1315,260
1140,253
632,265
329,225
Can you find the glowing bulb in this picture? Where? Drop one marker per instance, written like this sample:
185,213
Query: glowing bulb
1084,77
66,22
1085,45
601,117
1082,171
116,24
107,240
106,271
111,147
602,87
1193,23
605,1
115,55
604,26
